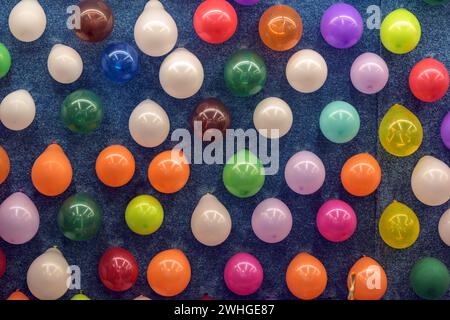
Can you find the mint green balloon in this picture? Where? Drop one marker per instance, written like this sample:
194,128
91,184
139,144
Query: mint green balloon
339,122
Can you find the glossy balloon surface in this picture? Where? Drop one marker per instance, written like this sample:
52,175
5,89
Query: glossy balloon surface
306,71
210,114
366,280
361,175
64,64
118,269
445,131
429,278
27,20
369,73
5,165
339,122
444,227
169,171
400,31
272,220
115,166
5,60
336,220
96,21
17,110
429,80
273,118
144,215
304,173
243,274
120,62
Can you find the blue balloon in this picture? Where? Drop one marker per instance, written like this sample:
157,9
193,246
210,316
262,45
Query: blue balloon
120,62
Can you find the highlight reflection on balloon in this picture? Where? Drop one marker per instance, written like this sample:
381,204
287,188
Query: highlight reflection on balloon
369,73
339,122
272,220
361,175
366,280
96,21
304,173
243,274
118,269
336,220
115,166
429,80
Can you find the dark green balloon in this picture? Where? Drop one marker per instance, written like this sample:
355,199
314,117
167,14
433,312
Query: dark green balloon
82,111
245,73
80,217
435,2
429,278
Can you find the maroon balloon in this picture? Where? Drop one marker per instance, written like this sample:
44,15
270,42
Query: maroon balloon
118,269
213,114
97,21
2,263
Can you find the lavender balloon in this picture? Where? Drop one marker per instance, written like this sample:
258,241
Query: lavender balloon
247,2
341,26
369,73
272,220
19,219
304,173
445,130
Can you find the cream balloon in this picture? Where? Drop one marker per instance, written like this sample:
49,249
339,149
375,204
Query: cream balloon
306,71
27,21
48,275
142,297
155,31
17,110
444,227
210,222
273,118
430,181
64,64
181,74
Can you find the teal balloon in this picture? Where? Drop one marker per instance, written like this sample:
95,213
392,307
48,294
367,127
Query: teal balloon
339,122
429,278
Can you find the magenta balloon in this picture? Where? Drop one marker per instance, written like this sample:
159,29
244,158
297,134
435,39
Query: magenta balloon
336,220
304,173
369,73
243,274
19,219
272,220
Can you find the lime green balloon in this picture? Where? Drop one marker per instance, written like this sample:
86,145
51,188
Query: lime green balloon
80,296
400,31
144,215
429,278
244,174
339,122
5,60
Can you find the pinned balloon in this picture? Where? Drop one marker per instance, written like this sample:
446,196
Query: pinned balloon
118,269
369,73
169,171
115,166
361,175
304,173
5,165
445,131
17,110
336,220
52,172
27,20
429,80
306,71
339,122
144,215
210,114
64,64
366,280
96,21
120,62
2,263
5,60
444,227
80,296
273,118
18,295
243,274
165,279
272,220
429,278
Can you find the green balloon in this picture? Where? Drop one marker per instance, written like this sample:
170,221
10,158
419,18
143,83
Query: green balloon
429,278
244,174
339,122
5,60
80,296
435,2
80,217
245,73
82,111
144,215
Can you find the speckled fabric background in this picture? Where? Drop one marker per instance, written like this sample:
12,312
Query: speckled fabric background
29,72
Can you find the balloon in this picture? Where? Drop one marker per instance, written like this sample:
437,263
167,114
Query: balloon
215,21
5,60
169,273
5,165
243,174
80,217
118,269
436,2
52,172
445,131
149,124
120,62
304,173
48,276
336,220
181,74
429,80
115,166
400,131
366,280
2,263
210,221
399,226
306,277
280,27
306,71
272,220
169,171
369,73
430,181
429,278
96,21
341,26
273,118
243,274
17,110
82,111
245,73
361,175
212,114
144,215
19,219
80,296
247,2
27,21
64,64
18,295
400,31
444,227
339,122
142,297
155,31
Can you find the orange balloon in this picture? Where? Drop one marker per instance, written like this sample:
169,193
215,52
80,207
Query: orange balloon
169,273
52,172
4,165
115,166
361,175
17,295
306,277
366,280
169,171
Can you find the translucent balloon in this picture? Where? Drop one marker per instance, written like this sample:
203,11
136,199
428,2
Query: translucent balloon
273,118
336,220
5,60
304,173
243,274
64,64
369,73
361,175
339,122
445,130
144,215
366,280
17,110
272,220
27,20
306,71
5,165
209,116
96,21
120,62
429,80
169,171
429,278
444,227
115,166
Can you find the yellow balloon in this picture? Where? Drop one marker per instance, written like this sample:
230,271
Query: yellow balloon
399,226
400,131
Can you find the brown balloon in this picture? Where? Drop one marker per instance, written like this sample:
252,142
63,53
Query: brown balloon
96,22
213,114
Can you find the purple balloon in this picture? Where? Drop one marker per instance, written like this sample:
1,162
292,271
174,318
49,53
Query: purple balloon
247,2
304,173
369,73
272,220
336,220
445,130
341,26
19,219
243,274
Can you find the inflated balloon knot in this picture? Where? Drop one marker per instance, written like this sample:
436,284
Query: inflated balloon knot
351,290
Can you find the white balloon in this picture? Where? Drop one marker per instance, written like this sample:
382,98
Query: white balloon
444,227
149,124
273,114
64,64
155,31
17,110
27,21
306,71
181,74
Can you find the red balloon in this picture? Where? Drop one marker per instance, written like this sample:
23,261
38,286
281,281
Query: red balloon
118,269
2,263
429,80
215,21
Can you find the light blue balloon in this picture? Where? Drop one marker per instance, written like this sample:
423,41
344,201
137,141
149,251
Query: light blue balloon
339,122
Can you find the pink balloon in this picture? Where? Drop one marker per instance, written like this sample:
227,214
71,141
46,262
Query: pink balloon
272,220
336,221
304,173
243,274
